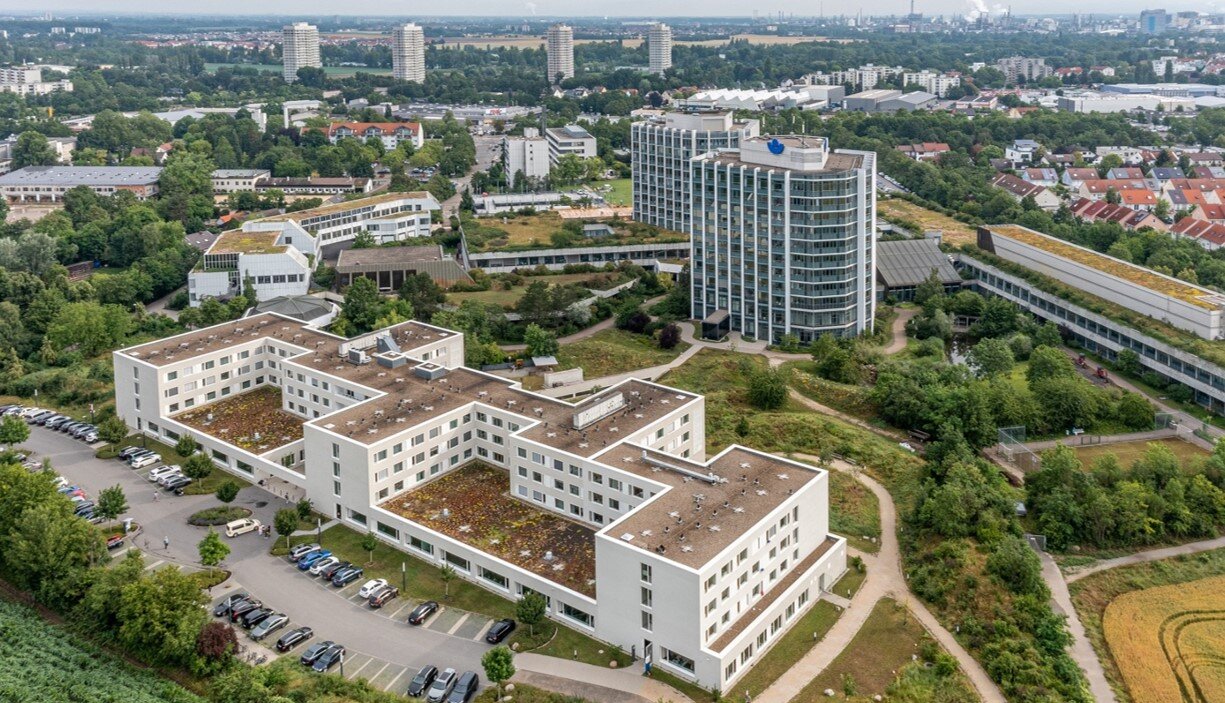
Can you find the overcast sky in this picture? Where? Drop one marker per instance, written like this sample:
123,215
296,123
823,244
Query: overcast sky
638,8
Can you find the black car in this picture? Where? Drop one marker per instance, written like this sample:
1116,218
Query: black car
293,638
330,657
465,688
85,506
347,576
223,608
499,630
254,617
422,612
383,596
422,681
301,550
328,572
241,608
312,652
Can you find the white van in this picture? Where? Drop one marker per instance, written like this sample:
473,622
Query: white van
241,526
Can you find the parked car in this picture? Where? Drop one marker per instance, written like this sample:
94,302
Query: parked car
309,560
80,431
422,612
318,567
56,422
313,652
161,472
223,608
144,460
40,415
27,413
293,638
114,542
499,630
330,657
49,419
177,484
251,618
344,577
128,451
137,454
330,571
421,682
243,607
368,588
441,688
465,688
269,625
301,550
241,526
383,596
84,506
168,477
90,437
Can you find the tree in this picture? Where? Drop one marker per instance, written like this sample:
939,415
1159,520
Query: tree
113,429
1135,411
90,327
198,466
530,610
669,336
212,550
767,389
1048,362
931,287
50,551
13,431
111,502
215,644
499,664
991,357
1016,565
304,508
286,523
32,149
370,543
161,616
227,492
185,189
364,240
423,294
540,342
447,573
362,304
186,446
1048,336
1128,362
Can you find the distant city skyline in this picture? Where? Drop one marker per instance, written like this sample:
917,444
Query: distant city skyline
603,8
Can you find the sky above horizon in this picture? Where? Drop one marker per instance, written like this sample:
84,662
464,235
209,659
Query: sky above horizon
587,8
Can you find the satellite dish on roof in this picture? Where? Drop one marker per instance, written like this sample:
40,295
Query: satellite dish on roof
775,146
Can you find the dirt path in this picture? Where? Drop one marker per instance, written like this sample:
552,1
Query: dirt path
898,343
1080,649
1150,555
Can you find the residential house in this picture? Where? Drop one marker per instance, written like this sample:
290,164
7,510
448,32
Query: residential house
1022,151
1164,174
1125,173
1097,189
1020,190
1210,235
1210,212
926,151
1208,172
1102,211
1046,177
1074,178
1205,158
389,133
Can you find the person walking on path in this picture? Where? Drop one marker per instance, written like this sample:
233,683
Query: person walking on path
155,495
165,543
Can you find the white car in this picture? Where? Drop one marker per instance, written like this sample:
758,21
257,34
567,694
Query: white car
144,460
241,526
163,471
368,588
60,482
318,567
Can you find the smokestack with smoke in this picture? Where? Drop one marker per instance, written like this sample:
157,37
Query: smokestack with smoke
531,7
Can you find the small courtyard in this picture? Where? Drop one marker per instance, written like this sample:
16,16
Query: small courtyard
480,511
253,421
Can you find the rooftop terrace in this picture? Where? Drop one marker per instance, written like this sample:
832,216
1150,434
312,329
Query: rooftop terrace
473,505
345,206
239,242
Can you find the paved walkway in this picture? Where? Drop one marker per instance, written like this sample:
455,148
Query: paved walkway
1080,649
884,578
1146,556
581,678
898,343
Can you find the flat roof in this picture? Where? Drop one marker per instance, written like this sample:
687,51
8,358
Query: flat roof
240,242
835,162
345,206
389,255
909,262
1137,275
82,176
240,172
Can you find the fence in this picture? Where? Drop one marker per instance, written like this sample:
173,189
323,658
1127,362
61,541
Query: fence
1014,450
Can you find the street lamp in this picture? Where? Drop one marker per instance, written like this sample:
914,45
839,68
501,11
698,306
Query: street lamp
403,577
319,530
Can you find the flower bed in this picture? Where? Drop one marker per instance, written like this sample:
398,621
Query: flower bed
253,421
481,512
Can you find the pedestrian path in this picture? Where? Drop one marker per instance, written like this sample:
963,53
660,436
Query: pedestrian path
1149,555
1080,649
582,676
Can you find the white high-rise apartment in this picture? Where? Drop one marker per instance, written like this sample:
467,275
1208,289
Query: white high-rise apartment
659,45
559,44
783,239
408,53
299,49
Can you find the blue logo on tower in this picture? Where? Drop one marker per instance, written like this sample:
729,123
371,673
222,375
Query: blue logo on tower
775,146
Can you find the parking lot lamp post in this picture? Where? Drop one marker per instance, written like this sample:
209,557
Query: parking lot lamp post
319,530
342,665
403,577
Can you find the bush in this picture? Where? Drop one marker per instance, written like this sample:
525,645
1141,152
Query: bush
669,336
767,389
219,515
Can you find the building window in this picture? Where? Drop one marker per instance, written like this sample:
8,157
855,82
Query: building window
420,545
680,661
647,596
578,615
495,578
458,562
647,621
645,573
387,530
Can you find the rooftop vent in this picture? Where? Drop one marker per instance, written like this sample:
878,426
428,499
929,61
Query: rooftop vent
598,410
358,357
430,372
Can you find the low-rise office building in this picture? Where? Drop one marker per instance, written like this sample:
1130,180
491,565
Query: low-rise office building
238,180
48,184
388,267
528,154
390,217
648,256
273,261
316,185
571,139
700,564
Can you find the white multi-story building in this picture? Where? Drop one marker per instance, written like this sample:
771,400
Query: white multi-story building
28,80
937,84
559,47
784,239
389,217
866,77
299,49
408,53
1022,68
659,47
529,154
238,180
637,538
571,139
660,151
274,261
389,133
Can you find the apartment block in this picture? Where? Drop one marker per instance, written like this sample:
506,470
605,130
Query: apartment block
390,217
299,49
659,48
28,80
408,53
528,154
559,48
938,84
1023,69
571,139
661,149
783,239
273,261
391,134
699,564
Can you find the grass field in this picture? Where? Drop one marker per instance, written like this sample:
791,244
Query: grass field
622,192
955,232
854,512
878,656
614,351
1128,452
1169,641
1093,596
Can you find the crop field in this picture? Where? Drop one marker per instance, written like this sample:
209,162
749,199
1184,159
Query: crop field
39,662
1169,641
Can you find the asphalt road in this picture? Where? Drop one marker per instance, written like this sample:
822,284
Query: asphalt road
383,650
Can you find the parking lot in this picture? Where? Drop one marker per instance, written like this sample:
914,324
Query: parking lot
382,647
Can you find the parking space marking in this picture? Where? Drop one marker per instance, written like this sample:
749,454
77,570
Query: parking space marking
380,671
392,684
461,621
361,668
155,564
407,604
475,628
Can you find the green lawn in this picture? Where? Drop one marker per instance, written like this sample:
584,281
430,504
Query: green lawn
1128,452
622,193
422,581
527,694
854,512
507,299
614,351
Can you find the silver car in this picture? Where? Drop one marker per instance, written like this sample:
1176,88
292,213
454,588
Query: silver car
269,625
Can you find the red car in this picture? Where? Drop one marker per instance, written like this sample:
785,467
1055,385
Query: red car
114,542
